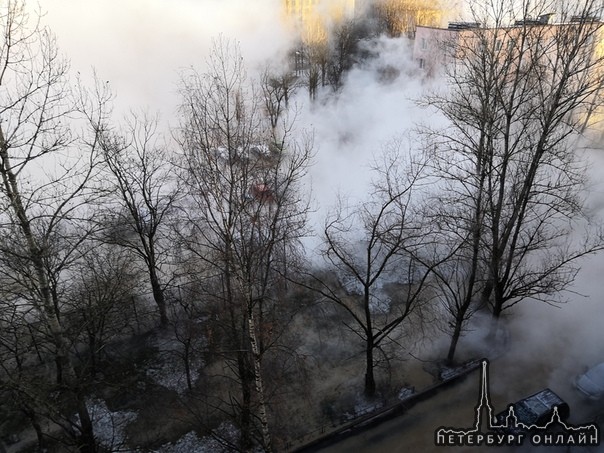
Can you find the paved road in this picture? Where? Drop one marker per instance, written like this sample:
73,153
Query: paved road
454,407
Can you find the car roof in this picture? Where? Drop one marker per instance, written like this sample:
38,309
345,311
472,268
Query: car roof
596,372
532,407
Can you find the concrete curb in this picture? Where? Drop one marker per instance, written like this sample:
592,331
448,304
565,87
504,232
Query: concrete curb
372,419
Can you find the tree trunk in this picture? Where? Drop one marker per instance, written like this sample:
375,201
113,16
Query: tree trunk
369,372
187,359
370,343
35,423
238,331
92,352
257,357
158,295
58,370
460,316
39,435
88,443
496,317
454,341
246,403
66,373
485,297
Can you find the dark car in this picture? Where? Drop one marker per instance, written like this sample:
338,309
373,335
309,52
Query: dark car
534,411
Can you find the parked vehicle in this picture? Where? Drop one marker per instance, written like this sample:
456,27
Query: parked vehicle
534,411
591,383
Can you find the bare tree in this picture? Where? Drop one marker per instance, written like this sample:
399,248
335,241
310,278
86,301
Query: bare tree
145,191
243,213
22,352
378,241
518,95
344,50
458,287
46,173
278,89
324,60
98,300
316,56
457,211
400,17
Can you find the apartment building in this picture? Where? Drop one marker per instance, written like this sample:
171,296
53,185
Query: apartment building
525,42
312,18
435,48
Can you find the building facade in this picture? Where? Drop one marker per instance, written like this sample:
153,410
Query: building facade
312,18
537,43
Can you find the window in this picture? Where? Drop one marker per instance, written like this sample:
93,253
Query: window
424,44
422,63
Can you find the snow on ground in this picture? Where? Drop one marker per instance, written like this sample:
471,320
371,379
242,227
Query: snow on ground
361,407
208,444
171,374
109,426
191,443
405,393
169,370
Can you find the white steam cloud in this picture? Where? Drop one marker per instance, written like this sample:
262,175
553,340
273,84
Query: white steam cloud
139,46
375,105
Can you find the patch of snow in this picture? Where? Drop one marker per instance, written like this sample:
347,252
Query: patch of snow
405,393
208,444
169,371
109,427
188,443
362,407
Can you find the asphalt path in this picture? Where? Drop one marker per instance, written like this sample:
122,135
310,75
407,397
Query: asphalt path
510,380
